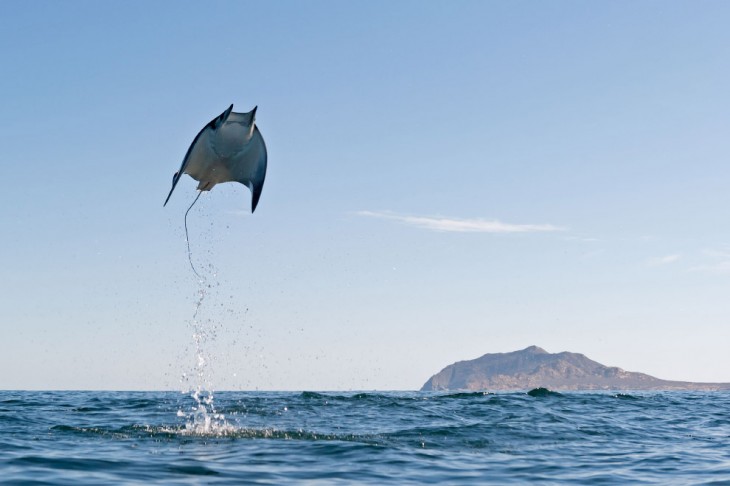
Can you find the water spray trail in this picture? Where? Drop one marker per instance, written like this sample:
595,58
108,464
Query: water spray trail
204,419
201,418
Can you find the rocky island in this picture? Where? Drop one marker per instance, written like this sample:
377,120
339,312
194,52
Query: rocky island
533,367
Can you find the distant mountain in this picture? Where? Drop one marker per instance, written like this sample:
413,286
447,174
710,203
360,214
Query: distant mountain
534,367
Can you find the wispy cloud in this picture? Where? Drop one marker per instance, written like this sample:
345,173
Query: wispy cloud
720,265
724,254
460,225
663,260
717,268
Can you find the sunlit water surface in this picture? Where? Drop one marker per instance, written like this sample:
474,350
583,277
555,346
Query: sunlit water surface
376,438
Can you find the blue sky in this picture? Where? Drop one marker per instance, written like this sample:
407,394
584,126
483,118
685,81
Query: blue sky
444,181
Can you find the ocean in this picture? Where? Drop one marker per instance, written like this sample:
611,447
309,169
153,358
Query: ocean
99,437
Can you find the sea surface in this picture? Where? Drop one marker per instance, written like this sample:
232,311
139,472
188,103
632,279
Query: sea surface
364,438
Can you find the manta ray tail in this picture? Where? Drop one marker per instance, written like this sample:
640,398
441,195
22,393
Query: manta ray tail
187,239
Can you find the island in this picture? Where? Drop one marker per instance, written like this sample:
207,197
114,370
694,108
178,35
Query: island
533,367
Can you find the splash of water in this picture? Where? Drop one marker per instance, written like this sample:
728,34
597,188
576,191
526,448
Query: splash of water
203,417
210,311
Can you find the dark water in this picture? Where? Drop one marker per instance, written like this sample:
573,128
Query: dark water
376,438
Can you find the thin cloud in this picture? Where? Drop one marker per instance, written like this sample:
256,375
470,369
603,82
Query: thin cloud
721,265
720,268
716,253
663,260
460,225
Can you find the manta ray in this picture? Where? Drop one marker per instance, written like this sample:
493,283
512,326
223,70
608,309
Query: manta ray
229,148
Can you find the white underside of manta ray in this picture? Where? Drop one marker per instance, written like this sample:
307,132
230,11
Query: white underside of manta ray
228,149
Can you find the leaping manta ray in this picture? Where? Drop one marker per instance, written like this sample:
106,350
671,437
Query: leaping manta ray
228,149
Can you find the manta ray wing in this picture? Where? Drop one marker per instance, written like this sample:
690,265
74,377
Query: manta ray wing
250,167
210,127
